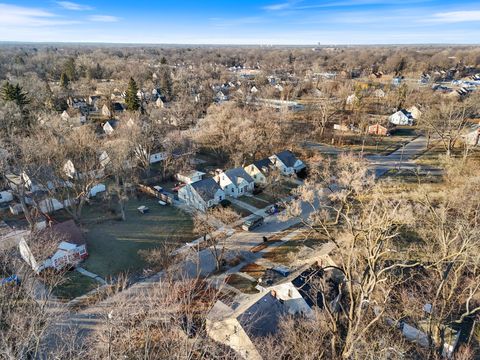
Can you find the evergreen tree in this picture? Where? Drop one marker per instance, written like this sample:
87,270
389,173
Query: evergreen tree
131,99
166,83
14,93
64,80
163,61
69,69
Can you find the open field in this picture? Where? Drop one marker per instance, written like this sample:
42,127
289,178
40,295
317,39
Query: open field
113,245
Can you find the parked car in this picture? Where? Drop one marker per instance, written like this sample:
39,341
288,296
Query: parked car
252,223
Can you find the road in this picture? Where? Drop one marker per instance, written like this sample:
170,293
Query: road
402,159
381,164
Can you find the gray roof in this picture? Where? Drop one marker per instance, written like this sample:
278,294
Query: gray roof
263,164
234,174
206,188
263,317
287,157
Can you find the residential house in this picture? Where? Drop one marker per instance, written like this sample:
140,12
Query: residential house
157,157
255,317
416,113
396,81
108,127
287,162
401,117
106,111
221,97
235,182
93,101
190,176
159,103
259,170
472,138
5,196
378,129
66,239
202,194
118,107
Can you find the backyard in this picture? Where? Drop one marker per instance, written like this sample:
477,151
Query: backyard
113,245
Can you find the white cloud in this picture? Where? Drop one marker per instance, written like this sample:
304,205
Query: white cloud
103,18
73,6
12,15
456,16
281,6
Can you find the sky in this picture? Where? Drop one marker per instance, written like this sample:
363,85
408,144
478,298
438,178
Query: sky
281,22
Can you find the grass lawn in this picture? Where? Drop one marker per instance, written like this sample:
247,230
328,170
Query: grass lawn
240,210
241,283
74,285
258,203
266,196
113,245
282,254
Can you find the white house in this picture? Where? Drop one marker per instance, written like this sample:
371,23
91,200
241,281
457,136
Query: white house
259,170
201,194
159,103
70,249
190,176
235,182
157,157
287,162
254,90
108,128
106,111
472,138
220,96
254,317
401,117
416,113
49,204
65,116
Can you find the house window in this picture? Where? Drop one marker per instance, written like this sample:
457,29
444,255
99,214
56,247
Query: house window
232,190
220,198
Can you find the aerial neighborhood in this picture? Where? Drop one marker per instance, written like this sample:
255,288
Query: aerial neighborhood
238,202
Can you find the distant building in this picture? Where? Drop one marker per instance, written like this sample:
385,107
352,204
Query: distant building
401,117
378,129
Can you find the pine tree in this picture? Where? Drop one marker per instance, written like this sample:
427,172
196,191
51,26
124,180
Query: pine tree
8,92
14,93
64,80
163,61
69,69
131,98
